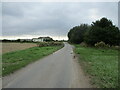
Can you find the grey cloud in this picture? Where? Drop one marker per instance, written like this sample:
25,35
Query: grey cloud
119,14
52,18
11,9
0,19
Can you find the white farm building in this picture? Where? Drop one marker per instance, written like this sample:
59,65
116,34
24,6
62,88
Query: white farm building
42,39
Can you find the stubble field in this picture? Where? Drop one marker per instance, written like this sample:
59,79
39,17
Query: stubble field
9,47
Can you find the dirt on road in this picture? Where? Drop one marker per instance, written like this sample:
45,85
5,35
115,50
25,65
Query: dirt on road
81,80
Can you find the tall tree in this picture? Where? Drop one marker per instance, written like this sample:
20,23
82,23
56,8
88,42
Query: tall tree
103,30
76,34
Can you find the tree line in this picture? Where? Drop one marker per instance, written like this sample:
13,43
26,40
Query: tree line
100,30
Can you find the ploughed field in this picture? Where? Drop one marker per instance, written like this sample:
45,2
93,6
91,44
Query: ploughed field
9,47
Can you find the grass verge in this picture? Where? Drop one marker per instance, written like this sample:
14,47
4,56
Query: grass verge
100,64
15,60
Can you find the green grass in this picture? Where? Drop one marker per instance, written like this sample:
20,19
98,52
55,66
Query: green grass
15,60
100,64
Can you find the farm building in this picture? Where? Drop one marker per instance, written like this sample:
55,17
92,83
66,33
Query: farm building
42,39
37,40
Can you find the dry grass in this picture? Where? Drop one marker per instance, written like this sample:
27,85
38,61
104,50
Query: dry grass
8,47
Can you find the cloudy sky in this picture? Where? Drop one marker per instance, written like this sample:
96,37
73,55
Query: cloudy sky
28,20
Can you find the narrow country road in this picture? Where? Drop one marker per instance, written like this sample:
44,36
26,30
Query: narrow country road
58,70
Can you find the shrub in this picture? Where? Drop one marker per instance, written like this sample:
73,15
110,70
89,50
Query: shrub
43,44
83,44
115,47
101,45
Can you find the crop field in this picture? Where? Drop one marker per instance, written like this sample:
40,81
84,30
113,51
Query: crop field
100,64
8,47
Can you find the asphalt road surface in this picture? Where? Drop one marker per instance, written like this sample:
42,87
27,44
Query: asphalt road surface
57,70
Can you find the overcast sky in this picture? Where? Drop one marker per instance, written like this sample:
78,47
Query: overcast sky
28,20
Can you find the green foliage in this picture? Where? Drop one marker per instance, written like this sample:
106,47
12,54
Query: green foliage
101,64
100,30
48,39
101,45
76,34
104,22
103,30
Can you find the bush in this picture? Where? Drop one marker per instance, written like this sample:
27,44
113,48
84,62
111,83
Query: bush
44,44
83,44
101,45
115,47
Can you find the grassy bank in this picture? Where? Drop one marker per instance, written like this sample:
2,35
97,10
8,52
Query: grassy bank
100,64
15,60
